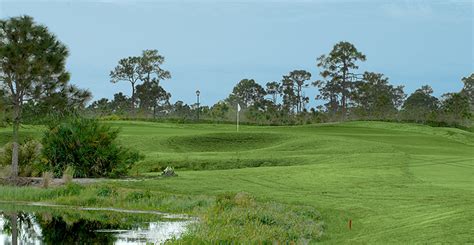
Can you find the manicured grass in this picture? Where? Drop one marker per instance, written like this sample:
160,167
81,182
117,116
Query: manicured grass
398,183
27,132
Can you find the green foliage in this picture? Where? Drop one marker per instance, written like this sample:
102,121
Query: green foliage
70,189
273,89
239,216
89,147
28,133
68,174
5,171
375,98
29,157
66,100
22,37
136,196
338,72
456,107
145,68
182,111
32,66
468,89
3,107
106,191
292,89
102,107
247,92
421,106
110,118
151,96
47,178
219,111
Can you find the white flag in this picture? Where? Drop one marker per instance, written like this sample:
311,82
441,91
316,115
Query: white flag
238,112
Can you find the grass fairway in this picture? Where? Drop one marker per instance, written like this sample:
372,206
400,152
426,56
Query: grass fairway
398,183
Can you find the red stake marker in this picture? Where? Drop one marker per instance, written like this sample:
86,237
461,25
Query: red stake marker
350,224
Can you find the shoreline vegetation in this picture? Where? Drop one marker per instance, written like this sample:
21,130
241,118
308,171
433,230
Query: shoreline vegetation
275,222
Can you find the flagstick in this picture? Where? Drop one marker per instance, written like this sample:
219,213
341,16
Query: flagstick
238,119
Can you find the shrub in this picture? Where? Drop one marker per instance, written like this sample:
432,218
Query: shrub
137,196
68,174
5,171
47,177
106,191
110,118
28,157
70,189
89,147
238,216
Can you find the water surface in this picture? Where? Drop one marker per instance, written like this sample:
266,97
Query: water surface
63,225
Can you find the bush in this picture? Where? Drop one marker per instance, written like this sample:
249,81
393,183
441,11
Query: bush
106,191
138,195
110,118
47,178
28,157
68,174
5,171
239,215
87,146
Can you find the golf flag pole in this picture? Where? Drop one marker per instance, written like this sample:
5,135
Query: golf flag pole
238,112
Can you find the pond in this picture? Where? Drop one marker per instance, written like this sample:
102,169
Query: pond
27,224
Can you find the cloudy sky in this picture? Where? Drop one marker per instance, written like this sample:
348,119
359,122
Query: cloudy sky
211,45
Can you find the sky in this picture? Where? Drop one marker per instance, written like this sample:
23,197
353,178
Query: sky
212,45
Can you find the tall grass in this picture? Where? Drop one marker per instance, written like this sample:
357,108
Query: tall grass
240,218
47,177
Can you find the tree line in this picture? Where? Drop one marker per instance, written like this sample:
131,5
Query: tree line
346,94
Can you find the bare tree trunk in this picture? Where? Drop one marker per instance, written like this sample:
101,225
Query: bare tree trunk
344,81
14,221
15,150
298,108
133,99
343,99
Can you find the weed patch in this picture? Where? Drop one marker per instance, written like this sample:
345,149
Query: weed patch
239,218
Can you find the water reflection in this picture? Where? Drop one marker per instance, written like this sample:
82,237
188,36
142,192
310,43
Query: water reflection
85,227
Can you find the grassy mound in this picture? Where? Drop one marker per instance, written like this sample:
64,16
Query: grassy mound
222,142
